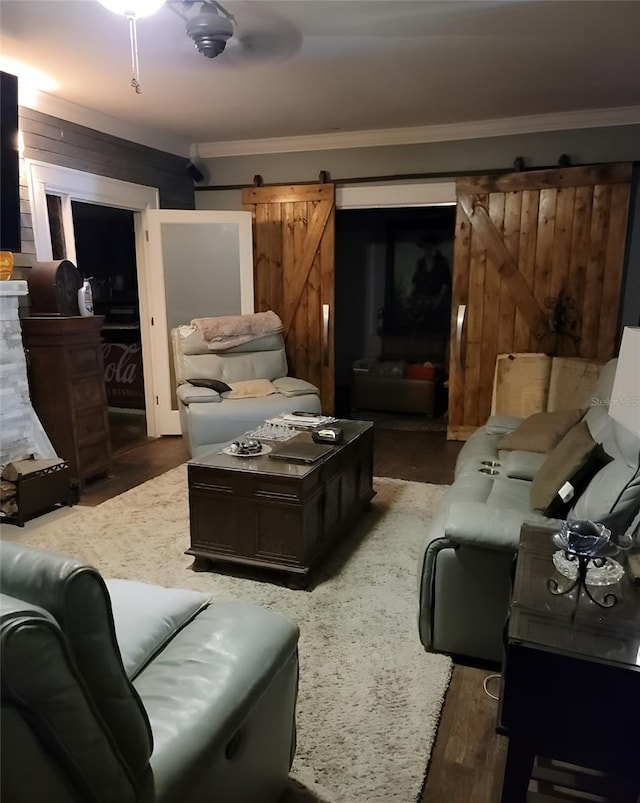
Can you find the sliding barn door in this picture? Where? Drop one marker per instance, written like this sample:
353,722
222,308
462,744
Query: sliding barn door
293,236
538,261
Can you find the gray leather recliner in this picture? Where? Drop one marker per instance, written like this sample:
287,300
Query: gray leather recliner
122,692
209,419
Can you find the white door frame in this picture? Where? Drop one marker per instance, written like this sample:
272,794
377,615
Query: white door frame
75,185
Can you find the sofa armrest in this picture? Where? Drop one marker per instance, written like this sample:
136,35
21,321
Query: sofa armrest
44,695
189,394
480,525
520,465
291,386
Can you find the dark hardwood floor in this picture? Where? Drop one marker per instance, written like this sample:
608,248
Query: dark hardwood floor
468,757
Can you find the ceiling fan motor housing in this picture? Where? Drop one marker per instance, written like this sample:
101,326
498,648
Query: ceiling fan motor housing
209,31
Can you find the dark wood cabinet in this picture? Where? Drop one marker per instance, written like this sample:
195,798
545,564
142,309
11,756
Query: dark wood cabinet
571,682
66,382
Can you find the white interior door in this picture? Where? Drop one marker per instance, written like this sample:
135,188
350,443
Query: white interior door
198,264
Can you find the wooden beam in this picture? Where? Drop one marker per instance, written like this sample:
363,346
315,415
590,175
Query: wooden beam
317,225
616,173
281,194
501,259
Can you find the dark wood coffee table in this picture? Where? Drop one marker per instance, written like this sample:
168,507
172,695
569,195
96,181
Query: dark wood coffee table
279,515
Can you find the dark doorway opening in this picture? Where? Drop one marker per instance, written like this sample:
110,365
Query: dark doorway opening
106,254
393,282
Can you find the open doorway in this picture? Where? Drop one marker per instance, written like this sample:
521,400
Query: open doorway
393,309
106,254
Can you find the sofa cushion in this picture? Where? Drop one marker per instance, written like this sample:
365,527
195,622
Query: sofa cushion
573,461
540,432
213,384
228,657
146,617
251,389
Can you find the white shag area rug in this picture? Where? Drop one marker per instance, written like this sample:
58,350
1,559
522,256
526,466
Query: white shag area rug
370,696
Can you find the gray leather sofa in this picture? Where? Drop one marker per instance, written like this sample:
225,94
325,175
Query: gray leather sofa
464,571
209,419
121,692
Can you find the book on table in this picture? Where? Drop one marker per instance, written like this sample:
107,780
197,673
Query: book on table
301,420
300,451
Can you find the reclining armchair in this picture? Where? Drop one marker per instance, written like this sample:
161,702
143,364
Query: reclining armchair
218,388
122,692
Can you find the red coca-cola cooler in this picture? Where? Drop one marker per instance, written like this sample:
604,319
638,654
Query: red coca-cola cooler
123,373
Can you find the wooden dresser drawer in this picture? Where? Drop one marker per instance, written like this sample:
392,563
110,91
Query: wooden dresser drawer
88,393
91,427
94,459
84,359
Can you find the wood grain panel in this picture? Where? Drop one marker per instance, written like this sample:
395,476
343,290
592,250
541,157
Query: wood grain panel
594,278
526,262
614,261
560,256
491,317
260,228
297,319
506,324
580,254
314,318
274,271
542,265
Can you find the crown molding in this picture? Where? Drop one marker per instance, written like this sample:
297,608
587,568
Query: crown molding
81,115
531,124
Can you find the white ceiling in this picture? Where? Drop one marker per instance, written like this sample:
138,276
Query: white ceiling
334,65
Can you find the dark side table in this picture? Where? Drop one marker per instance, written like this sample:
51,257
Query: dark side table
571,680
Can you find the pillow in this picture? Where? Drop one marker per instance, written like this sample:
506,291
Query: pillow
291,386
213,384
540,432
574,460
251,389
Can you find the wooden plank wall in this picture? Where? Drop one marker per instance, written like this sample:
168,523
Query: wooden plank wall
48,139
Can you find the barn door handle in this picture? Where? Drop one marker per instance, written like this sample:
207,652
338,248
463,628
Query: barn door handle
462,311
325,335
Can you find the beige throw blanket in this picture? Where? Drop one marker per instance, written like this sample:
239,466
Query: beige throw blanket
228,331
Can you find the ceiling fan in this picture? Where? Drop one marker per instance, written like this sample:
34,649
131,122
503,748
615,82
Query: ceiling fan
212,27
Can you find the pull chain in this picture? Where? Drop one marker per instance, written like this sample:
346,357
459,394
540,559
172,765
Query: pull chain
135,68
